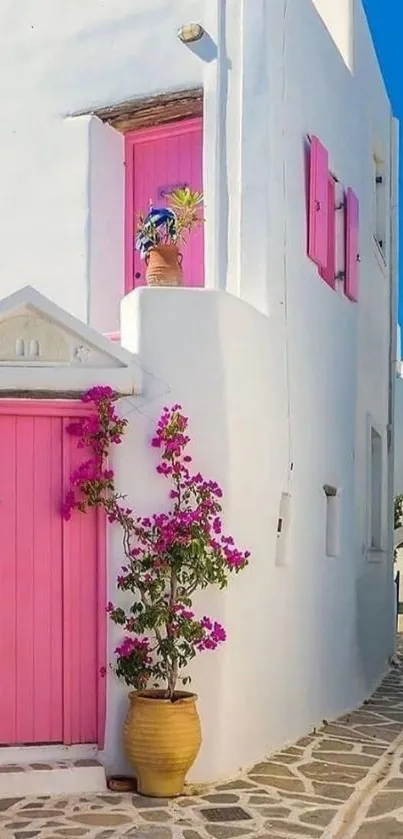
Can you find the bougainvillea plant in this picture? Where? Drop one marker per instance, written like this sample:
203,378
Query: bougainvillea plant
167,556
398,516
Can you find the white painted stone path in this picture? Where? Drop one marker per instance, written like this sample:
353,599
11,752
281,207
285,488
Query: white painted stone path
343,782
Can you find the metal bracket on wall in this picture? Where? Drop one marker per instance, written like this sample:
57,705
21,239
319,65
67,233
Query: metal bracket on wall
166,191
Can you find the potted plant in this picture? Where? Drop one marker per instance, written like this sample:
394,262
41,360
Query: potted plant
168,556
162,232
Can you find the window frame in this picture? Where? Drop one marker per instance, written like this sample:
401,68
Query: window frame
375,548
379,208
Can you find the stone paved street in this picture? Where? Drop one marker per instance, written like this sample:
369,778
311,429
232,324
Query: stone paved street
342,782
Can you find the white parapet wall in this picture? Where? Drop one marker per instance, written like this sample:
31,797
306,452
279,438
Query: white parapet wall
213,354
399,436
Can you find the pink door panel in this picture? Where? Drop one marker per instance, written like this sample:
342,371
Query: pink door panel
50,588
158,160
80,627
329,272
318,203
352,255
31,648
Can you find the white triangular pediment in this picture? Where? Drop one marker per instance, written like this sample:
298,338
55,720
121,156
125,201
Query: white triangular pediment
36,334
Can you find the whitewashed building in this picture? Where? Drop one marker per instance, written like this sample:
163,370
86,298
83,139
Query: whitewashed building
281,349
398,449
398,471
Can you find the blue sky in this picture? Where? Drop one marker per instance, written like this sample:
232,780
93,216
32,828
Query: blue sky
386,21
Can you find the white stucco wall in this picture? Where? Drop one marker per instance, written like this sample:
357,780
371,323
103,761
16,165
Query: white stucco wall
294,631
223,411
339,21
399,437
279,384
324,330
60,60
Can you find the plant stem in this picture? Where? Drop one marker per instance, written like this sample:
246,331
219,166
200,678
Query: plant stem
173,664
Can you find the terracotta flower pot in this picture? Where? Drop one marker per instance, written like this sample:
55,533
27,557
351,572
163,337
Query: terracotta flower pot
164,266
162,740
121,783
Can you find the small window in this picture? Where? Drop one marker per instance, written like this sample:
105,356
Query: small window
283,524
375,490
379,204
332,520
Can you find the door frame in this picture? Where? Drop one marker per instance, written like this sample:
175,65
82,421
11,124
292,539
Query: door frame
66,409
133,138
157,109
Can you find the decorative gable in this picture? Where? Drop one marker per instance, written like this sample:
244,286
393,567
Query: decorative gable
43,347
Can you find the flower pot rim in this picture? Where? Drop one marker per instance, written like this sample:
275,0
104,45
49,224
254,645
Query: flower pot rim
163,245
157,697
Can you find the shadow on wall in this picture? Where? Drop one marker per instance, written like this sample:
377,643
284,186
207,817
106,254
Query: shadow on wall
373,622
205,49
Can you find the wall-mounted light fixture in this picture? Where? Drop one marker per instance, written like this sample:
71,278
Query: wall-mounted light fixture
190,32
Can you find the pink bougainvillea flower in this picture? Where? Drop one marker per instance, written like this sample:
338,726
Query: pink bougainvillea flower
97,394
207,623
168,555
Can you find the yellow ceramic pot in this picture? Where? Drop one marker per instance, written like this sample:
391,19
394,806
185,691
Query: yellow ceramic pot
162,740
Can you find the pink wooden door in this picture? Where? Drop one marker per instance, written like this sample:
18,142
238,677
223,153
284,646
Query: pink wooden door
50,624
157,160
318,204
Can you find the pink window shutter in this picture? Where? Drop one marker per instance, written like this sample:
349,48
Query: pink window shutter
328,273
318,212
352,255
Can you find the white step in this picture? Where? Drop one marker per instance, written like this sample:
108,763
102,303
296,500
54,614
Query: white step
43,753
65,777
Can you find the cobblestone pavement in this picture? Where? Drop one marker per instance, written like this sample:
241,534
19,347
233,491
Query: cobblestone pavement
344,781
